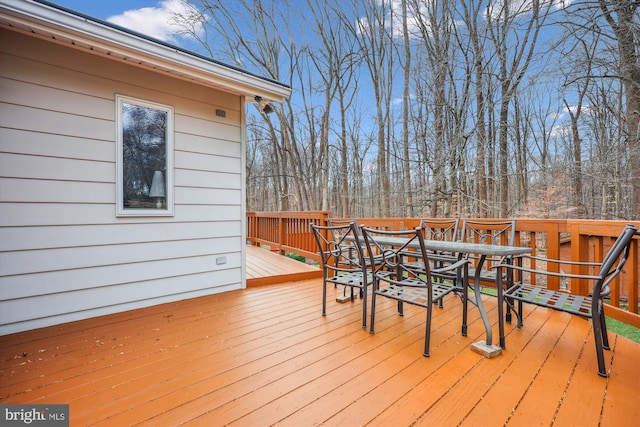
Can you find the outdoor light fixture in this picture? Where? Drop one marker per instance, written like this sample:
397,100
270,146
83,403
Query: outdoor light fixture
157,188
263,105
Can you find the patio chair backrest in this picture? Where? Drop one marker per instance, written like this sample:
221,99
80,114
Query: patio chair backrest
440,229
391,258
338,224
489,232
339,246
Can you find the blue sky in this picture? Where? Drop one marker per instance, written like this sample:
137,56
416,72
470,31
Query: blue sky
149,17
103,9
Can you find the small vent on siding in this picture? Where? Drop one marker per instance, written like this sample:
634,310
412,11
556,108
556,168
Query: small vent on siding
221,113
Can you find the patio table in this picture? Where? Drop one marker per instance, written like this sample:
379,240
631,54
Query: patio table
485,347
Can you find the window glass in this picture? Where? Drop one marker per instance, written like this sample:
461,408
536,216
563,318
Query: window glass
144,158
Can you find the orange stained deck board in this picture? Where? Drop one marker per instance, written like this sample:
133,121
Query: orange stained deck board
355,373
622,393
265,268
471,388
506,393
538,406
585,392
265,355
309,382
398,372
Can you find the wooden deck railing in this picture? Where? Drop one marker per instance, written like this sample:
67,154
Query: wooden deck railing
285,231
575,240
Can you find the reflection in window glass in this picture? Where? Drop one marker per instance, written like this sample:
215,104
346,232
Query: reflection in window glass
144,147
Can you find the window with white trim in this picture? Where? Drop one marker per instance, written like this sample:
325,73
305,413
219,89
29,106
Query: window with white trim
144,158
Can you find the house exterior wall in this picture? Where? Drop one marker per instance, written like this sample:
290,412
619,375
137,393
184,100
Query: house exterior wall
64,254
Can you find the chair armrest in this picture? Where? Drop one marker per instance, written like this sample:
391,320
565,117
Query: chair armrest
443,257
433,255
550,273
562,262
451,267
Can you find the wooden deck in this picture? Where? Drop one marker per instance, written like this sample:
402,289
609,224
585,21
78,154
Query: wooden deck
266,268
265,356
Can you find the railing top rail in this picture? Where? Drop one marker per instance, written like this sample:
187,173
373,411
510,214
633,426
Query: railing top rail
290,214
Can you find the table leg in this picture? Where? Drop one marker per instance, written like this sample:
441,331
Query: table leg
462,278
500,307
502,316
486,347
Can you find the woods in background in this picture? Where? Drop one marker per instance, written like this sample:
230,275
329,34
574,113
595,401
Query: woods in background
525,108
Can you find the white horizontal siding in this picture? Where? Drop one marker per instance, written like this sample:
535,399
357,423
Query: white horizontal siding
51,122
204,179
35,238
206,162
199,144
100,76
39,284
41,309
21,263
57,214
38,167
192,187
18,141
64,255
17,92
36,190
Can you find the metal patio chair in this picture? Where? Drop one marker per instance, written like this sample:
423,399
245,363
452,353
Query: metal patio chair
394,279
342,262
590,307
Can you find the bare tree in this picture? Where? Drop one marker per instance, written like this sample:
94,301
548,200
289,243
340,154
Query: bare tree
334,61
623,18
406,95
580,51
539,117
371,32
515,46
574,114
471,12
247,34
435,27
479,131
607,32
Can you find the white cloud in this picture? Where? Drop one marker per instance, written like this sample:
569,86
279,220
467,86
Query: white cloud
522,8
157,22
560,131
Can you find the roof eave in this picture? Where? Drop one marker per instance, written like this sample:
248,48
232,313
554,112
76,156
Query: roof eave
86,33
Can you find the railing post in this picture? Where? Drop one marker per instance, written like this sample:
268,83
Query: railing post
579,246
281,233
553,251
324,218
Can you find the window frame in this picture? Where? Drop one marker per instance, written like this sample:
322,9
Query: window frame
168,210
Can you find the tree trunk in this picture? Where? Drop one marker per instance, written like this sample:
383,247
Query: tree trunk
629,53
